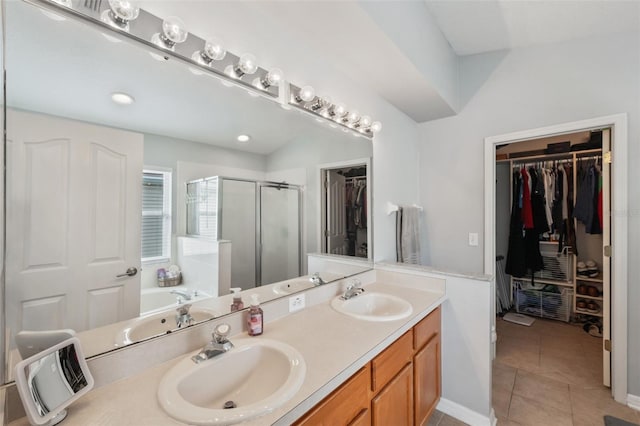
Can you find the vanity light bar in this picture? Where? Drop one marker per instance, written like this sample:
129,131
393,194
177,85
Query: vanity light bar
167,39
322,107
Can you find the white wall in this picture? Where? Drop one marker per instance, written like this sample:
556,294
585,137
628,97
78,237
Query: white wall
518,90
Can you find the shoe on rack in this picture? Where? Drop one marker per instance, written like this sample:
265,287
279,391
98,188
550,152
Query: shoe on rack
592,269
594,330
582,269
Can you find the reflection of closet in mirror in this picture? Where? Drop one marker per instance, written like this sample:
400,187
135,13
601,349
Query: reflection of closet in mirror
345,214
261,219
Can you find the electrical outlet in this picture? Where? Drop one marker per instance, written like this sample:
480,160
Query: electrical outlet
473,239
296,302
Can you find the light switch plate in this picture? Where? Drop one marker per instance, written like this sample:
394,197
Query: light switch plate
473,239
296,302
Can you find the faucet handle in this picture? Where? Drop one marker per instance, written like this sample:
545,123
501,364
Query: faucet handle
220,332
354,283
183,309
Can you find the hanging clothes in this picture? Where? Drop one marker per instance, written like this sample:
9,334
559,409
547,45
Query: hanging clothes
524,248
527,212
567,231
549,190
587,199
540,223
558,196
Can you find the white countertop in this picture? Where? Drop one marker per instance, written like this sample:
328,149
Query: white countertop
334,346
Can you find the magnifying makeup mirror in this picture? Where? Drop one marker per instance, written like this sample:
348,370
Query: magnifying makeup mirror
51,380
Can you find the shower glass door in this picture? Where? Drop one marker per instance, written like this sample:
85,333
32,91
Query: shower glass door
279,245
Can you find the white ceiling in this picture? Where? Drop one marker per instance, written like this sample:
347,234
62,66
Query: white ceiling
339,47
482,26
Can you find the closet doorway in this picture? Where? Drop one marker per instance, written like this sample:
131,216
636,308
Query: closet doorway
344,204
574,268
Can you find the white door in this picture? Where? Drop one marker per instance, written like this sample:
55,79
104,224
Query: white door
73,223
606,260
336,214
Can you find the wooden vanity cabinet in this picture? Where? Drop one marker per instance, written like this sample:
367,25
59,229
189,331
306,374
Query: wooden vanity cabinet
347,405
401,386
426,367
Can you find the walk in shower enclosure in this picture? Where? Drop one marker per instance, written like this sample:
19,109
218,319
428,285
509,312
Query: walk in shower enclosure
261,219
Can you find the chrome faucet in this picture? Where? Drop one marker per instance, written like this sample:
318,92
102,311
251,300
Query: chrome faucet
218,345
353,289
184,294
316,279
183,317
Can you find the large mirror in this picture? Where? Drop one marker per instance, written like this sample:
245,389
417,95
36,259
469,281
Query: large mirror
96,184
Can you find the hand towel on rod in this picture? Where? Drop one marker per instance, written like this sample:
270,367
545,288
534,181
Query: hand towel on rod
408,235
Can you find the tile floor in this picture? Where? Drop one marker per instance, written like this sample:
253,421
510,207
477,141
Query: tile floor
551,374
441,419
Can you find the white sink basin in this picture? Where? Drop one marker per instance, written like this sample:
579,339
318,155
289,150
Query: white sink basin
373,307
291,286
154,325
258,375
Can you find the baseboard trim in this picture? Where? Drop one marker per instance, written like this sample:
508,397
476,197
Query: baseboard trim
464,414
633,401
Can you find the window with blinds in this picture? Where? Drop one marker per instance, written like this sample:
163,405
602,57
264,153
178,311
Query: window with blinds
156,215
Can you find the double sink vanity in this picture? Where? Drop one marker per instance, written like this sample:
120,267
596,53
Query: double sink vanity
365,360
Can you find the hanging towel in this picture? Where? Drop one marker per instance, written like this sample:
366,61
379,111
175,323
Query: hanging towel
408,242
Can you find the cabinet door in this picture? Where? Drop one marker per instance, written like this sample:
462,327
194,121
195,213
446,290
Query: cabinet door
386,365
394,404
363,419
345,406
426,364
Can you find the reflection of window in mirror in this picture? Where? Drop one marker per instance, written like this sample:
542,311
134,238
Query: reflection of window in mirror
345,210
156,215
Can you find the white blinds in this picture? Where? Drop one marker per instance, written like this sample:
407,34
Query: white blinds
156,215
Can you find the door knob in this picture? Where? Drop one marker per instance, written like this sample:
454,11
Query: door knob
130,272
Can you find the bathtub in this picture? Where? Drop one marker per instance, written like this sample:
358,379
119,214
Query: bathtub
160,299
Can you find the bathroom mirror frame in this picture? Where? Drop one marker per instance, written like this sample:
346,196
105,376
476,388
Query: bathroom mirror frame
39,4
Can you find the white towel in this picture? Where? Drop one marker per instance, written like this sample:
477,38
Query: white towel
410,235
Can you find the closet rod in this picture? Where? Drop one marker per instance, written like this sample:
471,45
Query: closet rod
560,155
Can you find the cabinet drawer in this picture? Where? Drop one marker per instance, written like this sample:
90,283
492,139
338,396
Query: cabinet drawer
426,329
386,365
345,405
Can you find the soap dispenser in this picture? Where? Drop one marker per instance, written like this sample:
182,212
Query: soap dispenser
254,317
237,304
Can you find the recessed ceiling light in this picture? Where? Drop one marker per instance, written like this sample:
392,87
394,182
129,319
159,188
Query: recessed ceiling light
244,138
122,98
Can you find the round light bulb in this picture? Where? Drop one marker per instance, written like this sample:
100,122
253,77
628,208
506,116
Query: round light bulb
124,10
339,110
353,117
376,126
247,63
173,29
122,98
365,121
213,50
307,93
274,76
